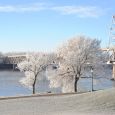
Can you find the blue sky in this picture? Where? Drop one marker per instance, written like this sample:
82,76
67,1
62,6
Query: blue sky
41,25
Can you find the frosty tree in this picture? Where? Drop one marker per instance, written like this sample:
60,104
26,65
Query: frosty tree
74,55
34,68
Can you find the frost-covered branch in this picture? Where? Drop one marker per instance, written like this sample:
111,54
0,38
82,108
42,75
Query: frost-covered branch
74,55
34,68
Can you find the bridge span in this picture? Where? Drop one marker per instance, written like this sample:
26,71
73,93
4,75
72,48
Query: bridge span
15,59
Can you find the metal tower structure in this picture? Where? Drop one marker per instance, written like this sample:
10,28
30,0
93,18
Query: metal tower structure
111,48
112,33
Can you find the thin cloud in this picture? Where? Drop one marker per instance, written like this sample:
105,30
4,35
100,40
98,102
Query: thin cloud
23,8
80,11
6,8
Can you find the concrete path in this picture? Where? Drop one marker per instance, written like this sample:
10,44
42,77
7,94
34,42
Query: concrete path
97,103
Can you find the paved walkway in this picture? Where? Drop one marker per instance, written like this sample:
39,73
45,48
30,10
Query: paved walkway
97,103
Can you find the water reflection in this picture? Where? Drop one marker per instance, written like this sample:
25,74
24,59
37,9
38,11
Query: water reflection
9,83
10,86
98,84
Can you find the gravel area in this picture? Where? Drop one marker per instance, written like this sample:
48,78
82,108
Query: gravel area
92,103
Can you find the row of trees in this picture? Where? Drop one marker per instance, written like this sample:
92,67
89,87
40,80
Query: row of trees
70,62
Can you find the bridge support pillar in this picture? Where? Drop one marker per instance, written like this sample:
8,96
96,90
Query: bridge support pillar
113,76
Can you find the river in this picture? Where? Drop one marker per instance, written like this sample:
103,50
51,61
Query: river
10,86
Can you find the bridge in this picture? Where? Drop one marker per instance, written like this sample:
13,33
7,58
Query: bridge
111,52
10,62
15,59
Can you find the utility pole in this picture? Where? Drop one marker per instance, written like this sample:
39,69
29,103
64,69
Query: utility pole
92,89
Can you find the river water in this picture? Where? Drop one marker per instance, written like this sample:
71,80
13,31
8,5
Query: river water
10,86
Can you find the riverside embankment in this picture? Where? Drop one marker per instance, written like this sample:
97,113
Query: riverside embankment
92,103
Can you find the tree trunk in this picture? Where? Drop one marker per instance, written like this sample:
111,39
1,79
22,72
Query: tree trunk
34,89
75,83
